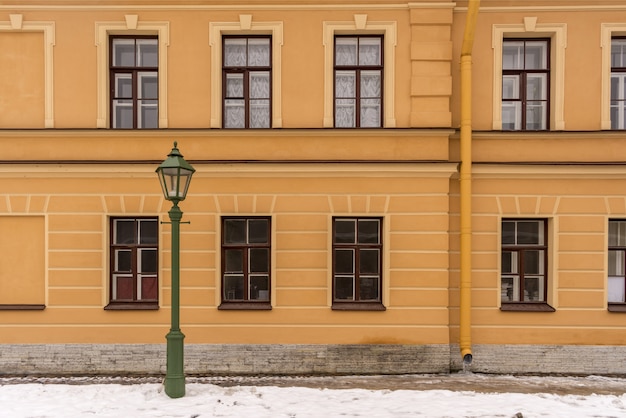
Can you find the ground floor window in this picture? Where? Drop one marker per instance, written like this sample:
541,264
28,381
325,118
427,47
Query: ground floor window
134,263
357,263
617,265
246,261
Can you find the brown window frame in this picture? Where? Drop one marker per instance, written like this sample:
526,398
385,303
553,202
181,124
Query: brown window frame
357,303
134,247
522,249
245,302
134,73
523,74
245,70
616,306
358,69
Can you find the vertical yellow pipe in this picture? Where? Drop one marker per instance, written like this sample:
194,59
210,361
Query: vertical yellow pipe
465,177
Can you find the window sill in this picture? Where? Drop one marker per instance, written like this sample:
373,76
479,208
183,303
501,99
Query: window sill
245,306
358,306
130,306
20,307
617,307
527,307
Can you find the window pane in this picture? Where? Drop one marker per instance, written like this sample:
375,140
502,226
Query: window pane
617,233
344,261
345,113
123,114
370,51
509,262
123,86
536,86
259,287
149,288
528,232
234,231
369,231
509,289
536,55
148,258
533,289
123,52
123,288
148,231
258,231
512,55
259,84
233,260
148,85
616,262
259,114
368,288
234,85
345,84
148,53
234,114
235,52
536,116
508,232
148,115
616,290
259,52
510,87
259,260
618,53
123,260
345,51
511,116
368,261
370,84
344,287
533,261
233,287
345,231
124,231
370,113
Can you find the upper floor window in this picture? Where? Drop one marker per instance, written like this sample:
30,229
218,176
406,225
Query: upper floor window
525,84
246,246
134,263
134,83
524,272
617,265
247,82
358,75
618,83
357,263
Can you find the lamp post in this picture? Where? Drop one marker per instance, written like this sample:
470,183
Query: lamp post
174,175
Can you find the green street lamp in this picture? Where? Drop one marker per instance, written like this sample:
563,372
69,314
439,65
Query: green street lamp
175,174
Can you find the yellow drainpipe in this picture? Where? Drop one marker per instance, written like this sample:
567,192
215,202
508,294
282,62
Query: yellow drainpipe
465,175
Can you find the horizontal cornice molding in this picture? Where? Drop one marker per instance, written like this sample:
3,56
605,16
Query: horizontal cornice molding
220,169
552,171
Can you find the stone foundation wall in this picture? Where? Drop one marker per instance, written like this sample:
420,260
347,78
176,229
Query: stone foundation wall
201,359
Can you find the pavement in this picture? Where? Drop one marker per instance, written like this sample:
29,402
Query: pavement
463,381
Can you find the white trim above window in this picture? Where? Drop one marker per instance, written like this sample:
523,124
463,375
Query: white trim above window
360,26
131,26
557,32
245,26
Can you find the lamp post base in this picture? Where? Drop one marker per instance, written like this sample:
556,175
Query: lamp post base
175,375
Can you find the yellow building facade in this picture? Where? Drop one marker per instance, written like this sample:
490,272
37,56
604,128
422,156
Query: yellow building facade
325,214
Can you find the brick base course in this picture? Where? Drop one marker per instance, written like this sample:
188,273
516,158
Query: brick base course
221,359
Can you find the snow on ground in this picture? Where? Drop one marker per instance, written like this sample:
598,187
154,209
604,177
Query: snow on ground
315,397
